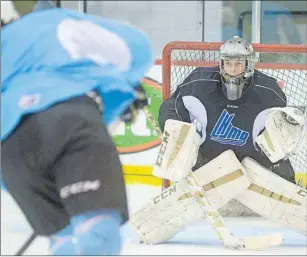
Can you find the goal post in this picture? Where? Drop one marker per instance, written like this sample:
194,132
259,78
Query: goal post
286,63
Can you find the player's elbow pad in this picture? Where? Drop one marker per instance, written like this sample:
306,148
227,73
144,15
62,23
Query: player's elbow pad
95,233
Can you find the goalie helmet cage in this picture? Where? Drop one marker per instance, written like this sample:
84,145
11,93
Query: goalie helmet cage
286,63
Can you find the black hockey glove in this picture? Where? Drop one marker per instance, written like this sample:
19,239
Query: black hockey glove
139,103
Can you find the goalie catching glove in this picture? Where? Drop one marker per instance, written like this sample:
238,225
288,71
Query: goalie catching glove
285,131
178,151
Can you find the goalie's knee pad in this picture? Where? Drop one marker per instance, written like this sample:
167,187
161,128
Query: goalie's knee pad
274,197
165,215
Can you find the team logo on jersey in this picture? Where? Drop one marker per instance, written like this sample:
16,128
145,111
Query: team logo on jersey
27,101
225,133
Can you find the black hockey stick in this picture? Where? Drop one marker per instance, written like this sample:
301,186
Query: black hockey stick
26,244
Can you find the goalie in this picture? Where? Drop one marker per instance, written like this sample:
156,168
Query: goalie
231,126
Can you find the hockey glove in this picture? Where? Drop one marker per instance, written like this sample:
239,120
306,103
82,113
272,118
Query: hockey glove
92,233
284,134
139,103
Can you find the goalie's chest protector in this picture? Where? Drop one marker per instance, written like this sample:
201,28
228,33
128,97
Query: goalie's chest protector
229,124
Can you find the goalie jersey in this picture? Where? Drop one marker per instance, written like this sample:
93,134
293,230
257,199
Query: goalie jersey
225,124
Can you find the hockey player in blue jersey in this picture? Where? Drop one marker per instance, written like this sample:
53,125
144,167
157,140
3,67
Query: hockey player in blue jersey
66,78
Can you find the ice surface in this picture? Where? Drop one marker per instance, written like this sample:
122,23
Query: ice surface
197,239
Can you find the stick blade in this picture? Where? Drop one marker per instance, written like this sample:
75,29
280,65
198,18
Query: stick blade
261,242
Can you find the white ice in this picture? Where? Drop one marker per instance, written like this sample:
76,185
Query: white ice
198,239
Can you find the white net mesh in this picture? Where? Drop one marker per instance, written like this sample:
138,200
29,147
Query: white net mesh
289,69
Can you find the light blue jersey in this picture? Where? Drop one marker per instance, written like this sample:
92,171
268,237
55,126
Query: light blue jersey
53,55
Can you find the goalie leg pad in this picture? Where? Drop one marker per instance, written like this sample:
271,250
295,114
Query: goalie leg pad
274,197
165,215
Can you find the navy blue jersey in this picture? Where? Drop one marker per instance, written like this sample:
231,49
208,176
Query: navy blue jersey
225,124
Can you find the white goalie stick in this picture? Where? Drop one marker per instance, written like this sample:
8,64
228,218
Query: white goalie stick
213,216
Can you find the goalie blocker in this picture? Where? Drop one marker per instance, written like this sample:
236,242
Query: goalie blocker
258,188
178,150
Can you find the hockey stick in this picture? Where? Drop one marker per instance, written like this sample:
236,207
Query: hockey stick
214,217
26,245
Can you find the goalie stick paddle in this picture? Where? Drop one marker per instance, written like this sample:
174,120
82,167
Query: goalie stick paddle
214,217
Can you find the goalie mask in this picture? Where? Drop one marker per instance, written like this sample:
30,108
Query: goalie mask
237,63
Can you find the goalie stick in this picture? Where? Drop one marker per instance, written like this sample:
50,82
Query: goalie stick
213,216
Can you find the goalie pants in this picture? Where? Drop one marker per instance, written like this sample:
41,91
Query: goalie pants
62,162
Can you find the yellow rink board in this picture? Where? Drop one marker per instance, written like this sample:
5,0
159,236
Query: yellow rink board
143,175
140,175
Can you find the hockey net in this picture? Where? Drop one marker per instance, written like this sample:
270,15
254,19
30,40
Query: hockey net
286,63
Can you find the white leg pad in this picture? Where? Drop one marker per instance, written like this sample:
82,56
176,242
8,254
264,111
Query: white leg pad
274,197
166,214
